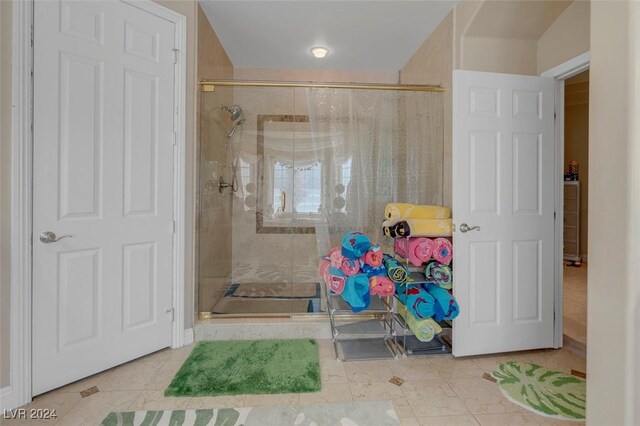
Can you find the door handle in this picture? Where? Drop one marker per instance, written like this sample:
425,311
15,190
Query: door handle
466,228
48,237
283,200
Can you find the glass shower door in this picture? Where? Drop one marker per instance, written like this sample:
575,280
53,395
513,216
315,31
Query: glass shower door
262,242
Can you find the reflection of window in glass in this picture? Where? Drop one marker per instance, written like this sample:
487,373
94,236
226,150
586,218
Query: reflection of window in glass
307,182
282,178
308,188
244,170
345,178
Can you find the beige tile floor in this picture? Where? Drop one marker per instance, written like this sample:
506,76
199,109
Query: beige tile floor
439,390
575,303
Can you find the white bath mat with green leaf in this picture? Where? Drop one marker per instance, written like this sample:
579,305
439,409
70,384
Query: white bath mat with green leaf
543,391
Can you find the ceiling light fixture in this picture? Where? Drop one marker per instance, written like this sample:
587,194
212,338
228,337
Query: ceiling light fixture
319,52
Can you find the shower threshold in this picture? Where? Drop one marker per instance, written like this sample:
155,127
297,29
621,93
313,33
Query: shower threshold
268,300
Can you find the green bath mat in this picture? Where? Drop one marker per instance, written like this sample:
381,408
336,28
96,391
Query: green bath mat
547,392
248,367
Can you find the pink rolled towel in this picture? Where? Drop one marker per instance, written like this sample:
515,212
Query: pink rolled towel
442,250
381,286
337,280
373,257
323,269
335,256
350,267
400,246
419,251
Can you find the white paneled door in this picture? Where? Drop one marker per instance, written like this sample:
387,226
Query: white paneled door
103,187
503,208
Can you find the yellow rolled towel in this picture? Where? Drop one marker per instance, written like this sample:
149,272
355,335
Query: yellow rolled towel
425,329
395,212
424,228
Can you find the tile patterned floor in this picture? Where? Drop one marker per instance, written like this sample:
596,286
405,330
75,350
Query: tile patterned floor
575,303
438,390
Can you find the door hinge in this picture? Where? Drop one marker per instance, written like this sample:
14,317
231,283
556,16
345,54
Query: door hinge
176,52
554,215
173,314
173,227
175,137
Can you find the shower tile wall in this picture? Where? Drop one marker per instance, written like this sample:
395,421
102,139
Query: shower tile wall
215,209
213,218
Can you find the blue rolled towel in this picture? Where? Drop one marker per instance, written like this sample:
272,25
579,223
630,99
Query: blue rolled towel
397,271
356,292
446,306
417,300
373,271
355,244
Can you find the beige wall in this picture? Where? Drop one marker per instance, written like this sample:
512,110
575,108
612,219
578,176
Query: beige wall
497,54
433,64
566,38
614,203
463,16
213,61
576,144
213,223
5,193
325,76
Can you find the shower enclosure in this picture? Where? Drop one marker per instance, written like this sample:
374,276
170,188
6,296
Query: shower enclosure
286,169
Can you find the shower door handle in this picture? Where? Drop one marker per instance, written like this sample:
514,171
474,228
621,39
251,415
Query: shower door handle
283,201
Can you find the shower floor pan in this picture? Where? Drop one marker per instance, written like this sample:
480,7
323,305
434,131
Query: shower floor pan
268,299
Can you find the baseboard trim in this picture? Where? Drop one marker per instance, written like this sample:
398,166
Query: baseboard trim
188,336
7,400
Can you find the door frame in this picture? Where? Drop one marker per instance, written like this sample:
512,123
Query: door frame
560,73
20,390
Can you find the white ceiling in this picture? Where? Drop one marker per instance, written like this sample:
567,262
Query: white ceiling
375,36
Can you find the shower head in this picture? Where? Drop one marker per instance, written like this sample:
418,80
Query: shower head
234,110
235,126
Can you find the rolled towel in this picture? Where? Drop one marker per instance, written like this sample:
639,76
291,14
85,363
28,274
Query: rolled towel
335,256
396,271
400,246
355,244
356,292
418,301
373,257
440,274
446,306
372,271
323,270
419,250
442,250
389,229
337,280
425,329
423,228
350,267
381,285
395,212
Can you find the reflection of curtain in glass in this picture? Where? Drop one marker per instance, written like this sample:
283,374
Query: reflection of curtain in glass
390,144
